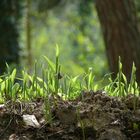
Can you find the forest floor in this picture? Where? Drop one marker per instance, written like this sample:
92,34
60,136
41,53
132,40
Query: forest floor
92,116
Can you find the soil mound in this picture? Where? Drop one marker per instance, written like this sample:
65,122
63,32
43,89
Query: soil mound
92,116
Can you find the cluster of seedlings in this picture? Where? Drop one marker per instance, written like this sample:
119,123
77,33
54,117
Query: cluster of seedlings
60,101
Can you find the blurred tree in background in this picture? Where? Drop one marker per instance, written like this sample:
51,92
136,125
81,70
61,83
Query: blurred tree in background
122,37
9,46
28,34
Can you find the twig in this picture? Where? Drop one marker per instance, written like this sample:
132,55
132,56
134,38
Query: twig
6,127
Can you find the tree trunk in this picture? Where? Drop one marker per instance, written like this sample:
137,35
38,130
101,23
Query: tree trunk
28,36
121,35
9,47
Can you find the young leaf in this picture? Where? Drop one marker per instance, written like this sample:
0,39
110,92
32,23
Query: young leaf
51,64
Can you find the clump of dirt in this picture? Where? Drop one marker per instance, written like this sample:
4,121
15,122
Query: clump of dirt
92,116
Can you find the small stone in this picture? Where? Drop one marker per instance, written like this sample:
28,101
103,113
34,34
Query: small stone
31,121
13,137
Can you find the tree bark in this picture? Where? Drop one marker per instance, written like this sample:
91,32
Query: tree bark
28,35
10,13
121,35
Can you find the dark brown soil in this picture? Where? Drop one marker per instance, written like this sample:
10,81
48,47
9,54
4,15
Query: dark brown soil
92,116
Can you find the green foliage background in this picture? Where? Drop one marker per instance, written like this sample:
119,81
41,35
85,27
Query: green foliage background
77,32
